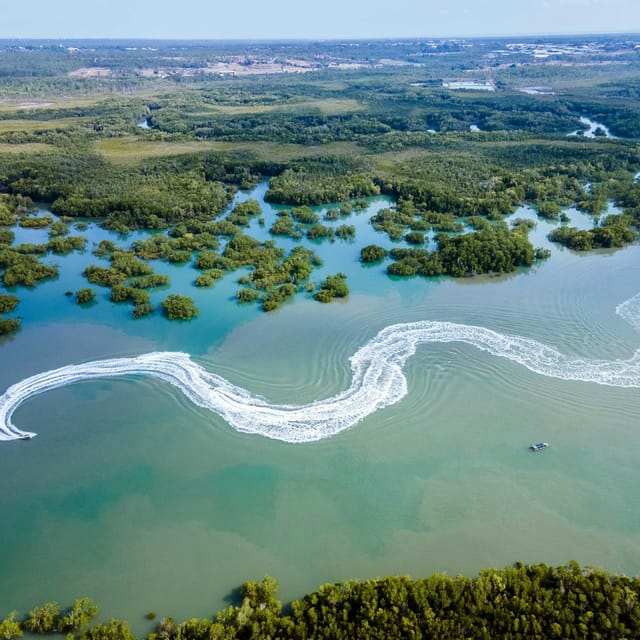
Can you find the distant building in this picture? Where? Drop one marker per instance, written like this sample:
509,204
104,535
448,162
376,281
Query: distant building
469,85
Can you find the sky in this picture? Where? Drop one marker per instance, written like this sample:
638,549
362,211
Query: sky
323,19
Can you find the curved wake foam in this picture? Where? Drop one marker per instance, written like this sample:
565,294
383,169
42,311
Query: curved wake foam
630,311
377,382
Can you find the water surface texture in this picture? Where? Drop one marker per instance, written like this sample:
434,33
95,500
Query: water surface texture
135,496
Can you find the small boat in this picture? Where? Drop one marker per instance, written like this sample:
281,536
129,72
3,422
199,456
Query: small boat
539,446
26,436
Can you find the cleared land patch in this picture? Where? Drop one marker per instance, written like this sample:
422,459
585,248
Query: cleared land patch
41,125
131,150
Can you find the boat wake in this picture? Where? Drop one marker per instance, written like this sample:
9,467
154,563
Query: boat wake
377,379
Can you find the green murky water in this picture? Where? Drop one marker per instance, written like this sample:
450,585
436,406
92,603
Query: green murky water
135,497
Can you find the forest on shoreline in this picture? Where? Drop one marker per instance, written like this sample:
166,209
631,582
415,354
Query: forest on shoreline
87,131
523,601
134,138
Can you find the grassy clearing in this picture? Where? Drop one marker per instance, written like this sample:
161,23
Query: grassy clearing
387,161
41,125
131,150
335,106
585,143
30,147
327,107
25,103
29,103
564,77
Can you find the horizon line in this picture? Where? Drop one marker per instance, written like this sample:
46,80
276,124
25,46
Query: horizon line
500,36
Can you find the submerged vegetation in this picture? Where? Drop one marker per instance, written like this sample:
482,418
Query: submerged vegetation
524,601
7,304
84,296
161,143
613,231
452,163
332,287
496,249
179,307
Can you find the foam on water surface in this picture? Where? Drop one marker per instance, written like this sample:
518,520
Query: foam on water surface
377,378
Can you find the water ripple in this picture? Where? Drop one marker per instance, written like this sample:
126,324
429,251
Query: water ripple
377,378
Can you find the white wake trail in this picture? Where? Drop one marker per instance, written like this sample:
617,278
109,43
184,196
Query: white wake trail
630,311
377,379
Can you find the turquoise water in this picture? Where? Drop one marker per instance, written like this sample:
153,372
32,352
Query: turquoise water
135,497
